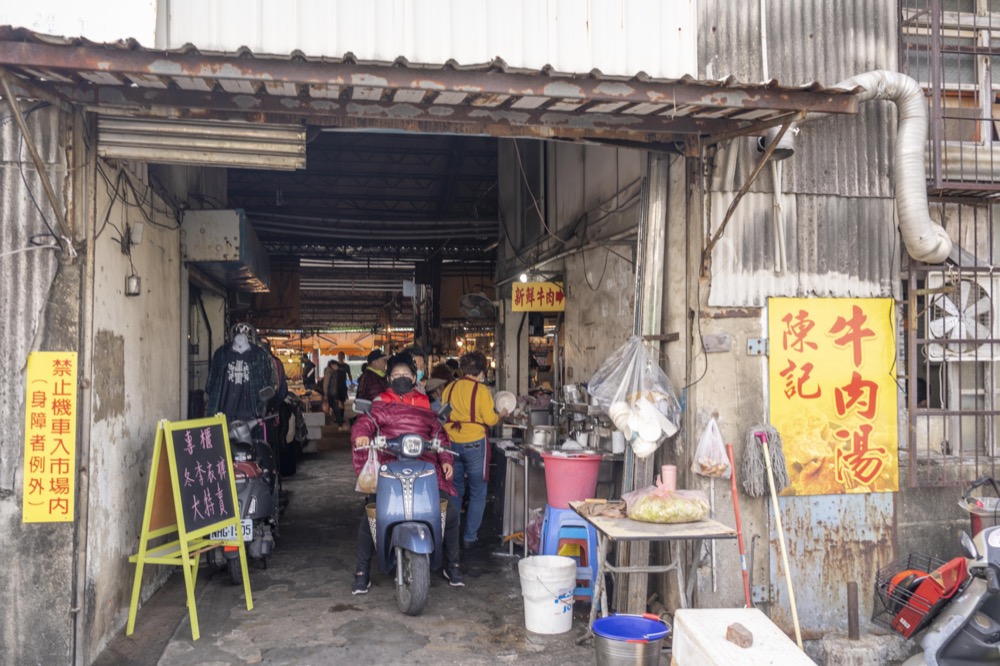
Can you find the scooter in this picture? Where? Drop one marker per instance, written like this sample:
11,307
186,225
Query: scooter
955,604
257,491
408,524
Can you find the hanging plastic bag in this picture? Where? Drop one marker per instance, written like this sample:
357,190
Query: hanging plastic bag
657,504
637,396
368,478
710,457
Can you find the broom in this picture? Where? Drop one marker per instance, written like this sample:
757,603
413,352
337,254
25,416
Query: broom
754,470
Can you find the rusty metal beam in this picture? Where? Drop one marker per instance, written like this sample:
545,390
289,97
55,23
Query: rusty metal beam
350,113
115,61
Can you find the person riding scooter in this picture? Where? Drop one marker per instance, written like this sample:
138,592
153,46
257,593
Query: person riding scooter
403,410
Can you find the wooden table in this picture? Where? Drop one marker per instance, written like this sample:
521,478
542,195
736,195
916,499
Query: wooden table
625,529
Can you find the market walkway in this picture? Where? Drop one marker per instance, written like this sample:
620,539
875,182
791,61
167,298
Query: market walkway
304,612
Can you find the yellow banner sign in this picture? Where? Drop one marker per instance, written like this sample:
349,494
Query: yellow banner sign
537,297
50,438
833,393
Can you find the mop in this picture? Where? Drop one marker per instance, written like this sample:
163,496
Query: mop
754,471
763,445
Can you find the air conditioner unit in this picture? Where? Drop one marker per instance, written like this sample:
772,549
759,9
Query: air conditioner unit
962,313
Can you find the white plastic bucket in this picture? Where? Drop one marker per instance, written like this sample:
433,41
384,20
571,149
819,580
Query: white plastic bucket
547,584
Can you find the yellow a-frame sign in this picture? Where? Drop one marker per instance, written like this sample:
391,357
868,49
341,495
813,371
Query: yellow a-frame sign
193,495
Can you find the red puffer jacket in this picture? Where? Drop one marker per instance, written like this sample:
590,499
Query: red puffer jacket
395,419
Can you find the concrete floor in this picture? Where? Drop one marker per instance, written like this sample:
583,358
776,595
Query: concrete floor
305,614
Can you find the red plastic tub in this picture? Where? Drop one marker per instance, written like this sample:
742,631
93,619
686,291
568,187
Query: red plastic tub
570,476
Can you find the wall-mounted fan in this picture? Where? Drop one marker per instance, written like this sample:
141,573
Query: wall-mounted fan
961,314
477,306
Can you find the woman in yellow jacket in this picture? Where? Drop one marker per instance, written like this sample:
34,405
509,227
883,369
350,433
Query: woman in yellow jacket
472,415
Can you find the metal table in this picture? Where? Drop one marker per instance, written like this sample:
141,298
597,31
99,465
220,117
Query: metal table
624,529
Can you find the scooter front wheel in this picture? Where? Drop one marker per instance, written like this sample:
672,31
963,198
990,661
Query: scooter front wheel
235,572
411,595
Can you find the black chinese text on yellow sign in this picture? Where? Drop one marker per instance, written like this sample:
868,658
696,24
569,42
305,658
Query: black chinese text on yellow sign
191,493
49,438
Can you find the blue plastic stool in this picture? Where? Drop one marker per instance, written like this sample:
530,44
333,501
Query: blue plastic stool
560,525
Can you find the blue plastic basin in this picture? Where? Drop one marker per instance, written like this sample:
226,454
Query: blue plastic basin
630,628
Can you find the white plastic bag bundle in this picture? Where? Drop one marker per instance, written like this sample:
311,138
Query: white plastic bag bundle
637,396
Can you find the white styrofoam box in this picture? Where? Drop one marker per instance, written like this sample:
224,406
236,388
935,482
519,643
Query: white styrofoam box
315,433
700,639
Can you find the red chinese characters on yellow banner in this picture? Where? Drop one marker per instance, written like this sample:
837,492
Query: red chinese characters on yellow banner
537,297
50,438
833,393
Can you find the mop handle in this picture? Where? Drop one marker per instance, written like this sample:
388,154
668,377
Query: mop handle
781,537
739,526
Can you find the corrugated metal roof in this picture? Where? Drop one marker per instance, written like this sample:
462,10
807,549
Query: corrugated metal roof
835,246
617,38
27,276
489,98
846,156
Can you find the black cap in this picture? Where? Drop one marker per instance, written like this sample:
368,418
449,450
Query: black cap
375,355
402,359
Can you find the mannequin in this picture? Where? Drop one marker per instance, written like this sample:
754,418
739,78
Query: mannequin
238,372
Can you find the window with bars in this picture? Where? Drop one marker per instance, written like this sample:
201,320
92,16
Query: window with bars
952,347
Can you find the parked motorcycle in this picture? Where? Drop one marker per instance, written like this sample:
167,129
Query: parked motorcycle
955,604
408,519
257,492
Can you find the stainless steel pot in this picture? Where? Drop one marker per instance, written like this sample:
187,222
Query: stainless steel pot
542,436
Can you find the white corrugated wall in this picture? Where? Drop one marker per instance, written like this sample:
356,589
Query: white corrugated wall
839,230
618,38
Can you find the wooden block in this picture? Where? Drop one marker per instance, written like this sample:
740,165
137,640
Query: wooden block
740,635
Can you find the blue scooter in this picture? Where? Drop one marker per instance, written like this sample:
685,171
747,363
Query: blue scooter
409,525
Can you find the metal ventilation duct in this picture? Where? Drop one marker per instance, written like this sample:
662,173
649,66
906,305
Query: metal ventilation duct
202,142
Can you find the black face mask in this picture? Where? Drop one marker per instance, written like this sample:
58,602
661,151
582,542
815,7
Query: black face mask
402,385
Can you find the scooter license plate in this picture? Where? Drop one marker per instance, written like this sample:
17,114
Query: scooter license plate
229,533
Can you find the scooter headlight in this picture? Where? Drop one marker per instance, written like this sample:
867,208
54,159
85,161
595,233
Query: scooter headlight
412,445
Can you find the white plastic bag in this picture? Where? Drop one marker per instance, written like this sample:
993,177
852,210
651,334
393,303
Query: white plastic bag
710,457
368,478
637,396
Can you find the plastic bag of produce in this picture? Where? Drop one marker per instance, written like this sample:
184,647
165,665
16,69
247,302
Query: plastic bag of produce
710,458
656,504
368,478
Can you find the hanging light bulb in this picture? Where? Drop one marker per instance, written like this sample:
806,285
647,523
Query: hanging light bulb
523,277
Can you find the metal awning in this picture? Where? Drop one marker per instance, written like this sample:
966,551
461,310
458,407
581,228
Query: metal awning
126,79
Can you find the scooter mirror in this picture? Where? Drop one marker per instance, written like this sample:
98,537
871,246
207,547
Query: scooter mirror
444,412
266,393
968,547
363,406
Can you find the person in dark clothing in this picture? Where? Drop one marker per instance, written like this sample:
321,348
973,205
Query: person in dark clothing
373,381
344,379
308,373
400,410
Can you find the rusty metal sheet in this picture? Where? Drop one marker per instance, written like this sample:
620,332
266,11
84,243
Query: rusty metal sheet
129,79
832,540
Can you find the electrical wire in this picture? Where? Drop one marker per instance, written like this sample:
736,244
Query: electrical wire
603,271
51,246
24,179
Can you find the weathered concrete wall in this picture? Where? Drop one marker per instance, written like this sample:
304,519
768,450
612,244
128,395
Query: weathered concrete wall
39,310
594,192
136,380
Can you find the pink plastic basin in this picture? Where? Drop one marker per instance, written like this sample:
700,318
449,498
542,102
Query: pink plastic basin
570,477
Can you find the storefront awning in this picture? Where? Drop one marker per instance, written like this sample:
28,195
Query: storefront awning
126,79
